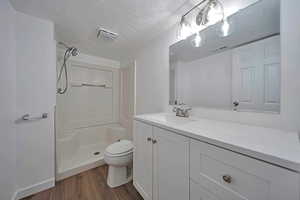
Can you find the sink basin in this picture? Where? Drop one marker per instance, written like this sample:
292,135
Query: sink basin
172,119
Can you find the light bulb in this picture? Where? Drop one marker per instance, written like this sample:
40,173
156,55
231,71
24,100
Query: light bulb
226,28
197,42
185,29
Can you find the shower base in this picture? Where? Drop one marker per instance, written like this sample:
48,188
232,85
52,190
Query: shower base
83,149
85,158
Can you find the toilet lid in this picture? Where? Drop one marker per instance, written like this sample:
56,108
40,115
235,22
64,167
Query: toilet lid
120,147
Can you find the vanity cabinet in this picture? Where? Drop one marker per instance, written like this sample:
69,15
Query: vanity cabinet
161,163
232,176
170,166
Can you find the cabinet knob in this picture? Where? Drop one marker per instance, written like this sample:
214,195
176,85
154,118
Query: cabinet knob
227,178
154,141
149,139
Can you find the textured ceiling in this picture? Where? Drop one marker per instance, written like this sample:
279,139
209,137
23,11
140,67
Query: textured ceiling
136,21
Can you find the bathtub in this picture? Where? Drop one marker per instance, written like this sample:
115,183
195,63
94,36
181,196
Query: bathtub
83,148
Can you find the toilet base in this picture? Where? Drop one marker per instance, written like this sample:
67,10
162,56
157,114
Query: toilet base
118,176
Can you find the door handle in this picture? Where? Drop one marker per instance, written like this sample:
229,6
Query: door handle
27,117
236,103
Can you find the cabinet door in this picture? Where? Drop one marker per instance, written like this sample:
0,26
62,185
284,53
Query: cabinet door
142,159
171,166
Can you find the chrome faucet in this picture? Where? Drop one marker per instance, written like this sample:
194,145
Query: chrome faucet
182,110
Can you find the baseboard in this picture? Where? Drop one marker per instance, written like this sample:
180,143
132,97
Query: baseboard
140,190
25,192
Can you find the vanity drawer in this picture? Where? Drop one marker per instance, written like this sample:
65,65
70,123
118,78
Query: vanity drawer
198,193
233,176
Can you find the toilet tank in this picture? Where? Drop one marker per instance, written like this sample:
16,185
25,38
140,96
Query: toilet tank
116,132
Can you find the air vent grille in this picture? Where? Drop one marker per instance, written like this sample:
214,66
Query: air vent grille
106,34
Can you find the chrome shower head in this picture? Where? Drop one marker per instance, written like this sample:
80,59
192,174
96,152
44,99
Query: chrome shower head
71,51
74,51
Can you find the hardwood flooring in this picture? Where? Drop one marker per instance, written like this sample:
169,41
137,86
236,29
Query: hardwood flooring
89,185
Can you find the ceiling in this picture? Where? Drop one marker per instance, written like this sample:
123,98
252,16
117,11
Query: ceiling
136,21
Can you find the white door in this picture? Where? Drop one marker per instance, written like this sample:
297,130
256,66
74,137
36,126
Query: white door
270,93
36,87
171,166
256,76
142,159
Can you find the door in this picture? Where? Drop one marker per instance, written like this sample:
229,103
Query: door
142,159
171,166
256,76
35,91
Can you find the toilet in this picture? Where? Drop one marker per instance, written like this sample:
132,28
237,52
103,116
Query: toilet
119,156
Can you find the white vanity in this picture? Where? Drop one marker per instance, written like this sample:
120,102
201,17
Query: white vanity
199,159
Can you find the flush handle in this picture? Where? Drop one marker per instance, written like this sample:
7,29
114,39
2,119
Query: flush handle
149,139
154,141
227,178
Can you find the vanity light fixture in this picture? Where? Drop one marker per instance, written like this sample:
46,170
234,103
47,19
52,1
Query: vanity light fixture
211,13
186,28
197,41
225,29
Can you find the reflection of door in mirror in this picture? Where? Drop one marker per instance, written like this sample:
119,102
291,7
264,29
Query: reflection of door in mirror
256,76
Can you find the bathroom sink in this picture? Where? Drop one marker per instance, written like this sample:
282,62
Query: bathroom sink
172,119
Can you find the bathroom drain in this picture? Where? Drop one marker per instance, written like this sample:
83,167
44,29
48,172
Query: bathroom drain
96,153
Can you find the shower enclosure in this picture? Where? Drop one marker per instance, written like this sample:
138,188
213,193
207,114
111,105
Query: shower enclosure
87,116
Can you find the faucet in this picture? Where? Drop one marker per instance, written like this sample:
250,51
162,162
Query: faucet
182,110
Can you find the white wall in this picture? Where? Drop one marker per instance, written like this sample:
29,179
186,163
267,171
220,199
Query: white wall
153,75
7,99
127,97
36,88
93,60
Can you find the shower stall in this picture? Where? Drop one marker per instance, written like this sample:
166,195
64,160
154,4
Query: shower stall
90,112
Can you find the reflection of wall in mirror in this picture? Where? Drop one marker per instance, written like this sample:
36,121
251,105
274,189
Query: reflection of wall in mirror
206,82
219,80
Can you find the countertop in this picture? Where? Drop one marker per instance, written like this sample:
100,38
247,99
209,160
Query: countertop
274,146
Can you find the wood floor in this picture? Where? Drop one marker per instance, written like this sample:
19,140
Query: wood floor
89,185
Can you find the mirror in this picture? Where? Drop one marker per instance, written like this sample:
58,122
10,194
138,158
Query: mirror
240,72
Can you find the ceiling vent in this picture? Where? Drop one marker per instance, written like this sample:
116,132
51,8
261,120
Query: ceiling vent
106,34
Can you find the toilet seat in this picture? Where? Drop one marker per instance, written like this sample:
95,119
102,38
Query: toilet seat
121,148
118,155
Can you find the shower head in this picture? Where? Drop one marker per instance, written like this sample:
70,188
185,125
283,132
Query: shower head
71,51
74,51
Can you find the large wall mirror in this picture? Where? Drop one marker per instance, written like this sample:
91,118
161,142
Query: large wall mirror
239,72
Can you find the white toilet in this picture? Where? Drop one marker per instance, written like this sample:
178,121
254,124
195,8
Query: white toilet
119,156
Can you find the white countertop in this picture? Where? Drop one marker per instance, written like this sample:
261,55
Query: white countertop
271,145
